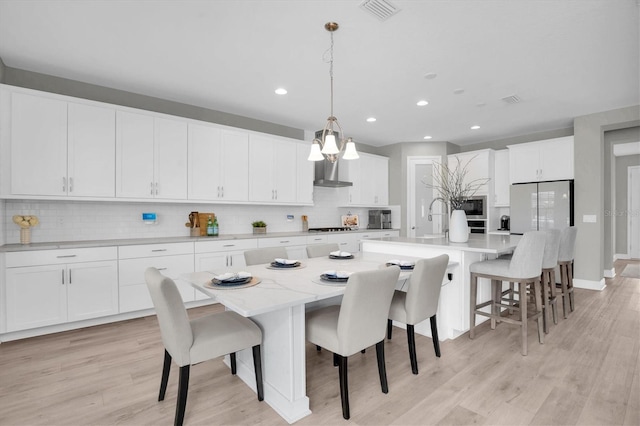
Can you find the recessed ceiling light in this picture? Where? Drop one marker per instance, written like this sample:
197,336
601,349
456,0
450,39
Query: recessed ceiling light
458,91
281,91
371,119
427,137
430,75
476,127
422,103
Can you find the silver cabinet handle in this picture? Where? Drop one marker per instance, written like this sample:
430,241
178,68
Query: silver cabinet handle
161,269
62,276
157,250
66,255
229,245
64,184
69,276
70,184
282,242
222,191
156,185
151,188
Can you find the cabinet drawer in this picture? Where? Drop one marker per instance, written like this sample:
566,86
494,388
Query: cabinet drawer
317,239
225,245
62,256
131,271
153,250
282,242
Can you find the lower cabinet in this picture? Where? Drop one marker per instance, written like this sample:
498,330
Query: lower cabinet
172,260
71,287
296,246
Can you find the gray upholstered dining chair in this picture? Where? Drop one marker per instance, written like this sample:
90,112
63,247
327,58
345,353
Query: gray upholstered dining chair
357,323
566,253
419,302
264,255
525,269
189,342
320,250
549,263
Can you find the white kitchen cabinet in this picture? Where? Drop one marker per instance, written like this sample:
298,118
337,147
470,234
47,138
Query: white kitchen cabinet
57,286
218,163
501,179
370,177
60,148
479,165
172,260
296,246
546,160
217,255
305,175
151,157
346,241
272,169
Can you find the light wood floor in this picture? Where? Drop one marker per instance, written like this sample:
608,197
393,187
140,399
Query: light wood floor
586,373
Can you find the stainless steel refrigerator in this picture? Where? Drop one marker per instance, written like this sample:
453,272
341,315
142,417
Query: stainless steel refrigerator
541,205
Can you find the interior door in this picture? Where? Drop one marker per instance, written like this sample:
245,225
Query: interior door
633,207
420,198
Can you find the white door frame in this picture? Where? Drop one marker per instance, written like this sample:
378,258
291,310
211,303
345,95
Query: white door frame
632,191
412,161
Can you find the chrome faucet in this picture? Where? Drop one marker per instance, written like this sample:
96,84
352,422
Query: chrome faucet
446,211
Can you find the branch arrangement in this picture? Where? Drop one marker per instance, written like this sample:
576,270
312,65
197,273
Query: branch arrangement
450,183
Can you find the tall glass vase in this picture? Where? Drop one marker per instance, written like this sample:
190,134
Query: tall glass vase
458,227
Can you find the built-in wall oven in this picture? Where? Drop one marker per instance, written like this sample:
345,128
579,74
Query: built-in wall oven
476,210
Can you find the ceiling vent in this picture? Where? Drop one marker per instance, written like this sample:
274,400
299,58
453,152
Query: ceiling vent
512,99
381,9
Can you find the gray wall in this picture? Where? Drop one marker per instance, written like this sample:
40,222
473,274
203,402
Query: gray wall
63,86
589,152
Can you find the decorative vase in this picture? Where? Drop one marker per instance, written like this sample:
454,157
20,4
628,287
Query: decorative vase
25,235
260,230
458,227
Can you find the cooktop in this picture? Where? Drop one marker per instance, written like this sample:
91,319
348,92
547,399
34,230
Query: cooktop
330,229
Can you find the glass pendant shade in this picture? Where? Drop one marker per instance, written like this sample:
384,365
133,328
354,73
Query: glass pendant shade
315,154
350,152
330,146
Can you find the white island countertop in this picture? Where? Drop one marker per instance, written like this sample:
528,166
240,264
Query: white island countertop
478,243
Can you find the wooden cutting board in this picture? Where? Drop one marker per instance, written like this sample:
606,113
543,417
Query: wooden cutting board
204,217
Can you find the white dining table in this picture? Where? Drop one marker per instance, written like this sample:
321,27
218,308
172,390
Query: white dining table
278,304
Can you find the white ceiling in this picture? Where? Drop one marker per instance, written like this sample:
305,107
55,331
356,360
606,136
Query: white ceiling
563,58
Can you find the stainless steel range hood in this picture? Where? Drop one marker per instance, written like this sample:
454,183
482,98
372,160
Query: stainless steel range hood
327,175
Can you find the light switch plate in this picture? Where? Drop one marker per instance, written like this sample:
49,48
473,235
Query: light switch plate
589,218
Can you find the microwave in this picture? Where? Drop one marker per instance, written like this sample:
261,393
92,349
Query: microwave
476,207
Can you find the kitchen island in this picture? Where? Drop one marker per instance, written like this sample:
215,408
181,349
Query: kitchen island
453,310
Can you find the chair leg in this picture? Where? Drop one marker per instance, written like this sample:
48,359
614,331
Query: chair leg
553,300
434,335
539,310
411,339
165,375
570,284
545,299
511,299
335,360
183,388
472,305
522,289
565,291
389,328
257,366
344,385
382,370
232,356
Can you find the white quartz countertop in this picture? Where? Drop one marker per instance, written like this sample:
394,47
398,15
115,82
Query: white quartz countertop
53,245
479,243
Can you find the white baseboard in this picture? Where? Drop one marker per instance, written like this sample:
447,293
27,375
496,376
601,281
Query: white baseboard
610,273
621,256
589,285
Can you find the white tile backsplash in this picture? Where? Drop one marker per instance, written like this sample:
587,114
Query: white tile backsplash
93,220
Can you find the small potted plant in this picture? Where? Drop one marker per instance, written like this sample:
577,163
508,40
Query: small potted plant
259,227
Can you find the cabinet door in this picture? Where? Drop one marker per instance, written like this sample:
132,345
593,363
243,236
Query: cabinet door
304,174
284,171
349,171
212,261
524,163
134,155
477,166
36,297
91,151
234,165
38,145
92,290
380,174
501,178
556,159
205,157
261,184
367,180
170,159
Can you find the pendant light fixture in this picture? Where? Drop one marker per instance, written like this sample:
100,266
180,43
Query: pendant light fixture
325,145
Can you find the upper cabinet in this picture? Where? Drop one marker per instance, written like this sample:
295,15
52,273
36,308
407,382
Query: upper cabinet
305,174
479,165
58,148
151,154
218,166
501,178
550,159
370,177
272,169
